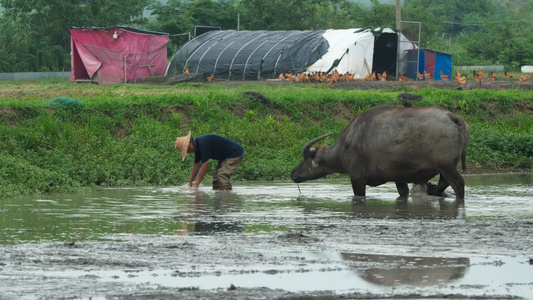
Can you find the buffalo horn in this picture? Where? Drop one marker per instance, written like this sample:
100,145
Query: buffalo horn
306,151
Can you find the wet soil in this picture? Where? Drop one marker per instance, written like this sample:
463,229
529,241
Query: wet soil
222,254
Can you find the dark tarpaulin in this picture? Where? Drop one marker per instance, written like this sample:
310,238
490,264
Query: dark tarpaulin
249,55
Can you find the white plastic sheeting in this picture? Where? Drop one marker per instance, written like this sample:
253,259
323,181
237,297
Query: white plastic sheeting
349,51
253,55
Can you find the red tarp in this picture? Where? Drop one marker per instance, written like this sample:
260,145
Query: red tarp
111,55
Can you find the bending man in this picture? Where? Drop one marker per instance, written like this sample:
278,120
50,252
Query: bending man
211,146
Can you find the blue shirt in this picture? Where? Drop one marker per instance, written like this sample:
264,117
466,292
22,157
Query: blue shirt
216,147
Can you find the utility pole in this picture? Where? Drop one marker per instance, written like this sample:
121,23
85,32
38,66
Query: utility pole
398,14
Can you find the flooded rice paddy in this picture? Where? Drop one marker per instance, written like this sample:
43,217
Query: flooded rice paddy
273,240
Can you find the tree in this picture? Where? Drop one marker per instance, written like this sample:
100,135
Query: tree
378,15
179,17
35,32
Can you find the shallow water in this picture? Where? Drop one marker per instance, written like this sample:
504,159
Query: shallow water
174,210
272,209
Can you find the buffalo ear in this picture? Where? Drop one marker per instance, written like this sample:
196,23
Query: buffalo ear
314,163
308,153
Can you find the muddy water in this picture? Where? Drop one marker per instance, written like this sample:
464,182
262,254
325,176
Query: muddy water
275,236
100,214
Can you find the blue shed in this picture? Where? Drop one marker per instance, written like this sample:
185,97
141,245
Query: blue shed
431,61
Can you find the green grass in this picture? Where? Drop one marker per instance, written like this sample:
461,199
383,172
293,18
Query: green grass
124,135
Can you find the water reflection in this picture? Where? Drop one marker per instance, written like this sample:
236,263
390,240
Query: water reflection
391,270
416,207
213,204
250,207
204,203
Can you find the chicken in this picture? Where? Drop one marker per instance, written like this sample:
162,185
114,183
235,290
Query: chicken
335,76
303,77
348,77
522,78
331,83
210,78
492,76
508,75
501,89
382,77
444,77
460,79
291,77
367,77
427,75
187,72
420,76
281,77
458,74
324,77
404,78
478,76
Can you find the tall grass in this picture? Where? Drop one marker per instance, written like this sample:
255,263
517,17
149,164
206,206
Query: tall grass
124,136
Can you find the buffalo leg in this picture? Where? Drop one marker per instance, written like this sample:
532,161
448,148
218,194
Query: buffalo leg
358,188
437,189
455,179
403,189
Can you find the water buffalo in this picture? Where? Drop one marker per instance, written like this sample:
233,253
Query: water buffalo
386,143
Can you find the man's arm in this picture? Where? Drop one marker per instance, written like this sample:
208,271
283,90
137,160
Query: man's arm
201,175
194,172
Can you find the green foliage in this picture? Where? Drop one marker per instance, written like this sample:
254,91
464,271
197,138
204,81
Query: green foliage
35,34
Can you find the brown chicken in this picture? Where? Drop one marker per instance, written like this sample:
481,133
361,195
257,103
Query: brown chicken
478,76
404,78
335,76
290,77
508,75
419,76
383,77
460,79
444,77
492,76
367,77
281,77
348,77
210,78
303,77
427,75
187,72
522,78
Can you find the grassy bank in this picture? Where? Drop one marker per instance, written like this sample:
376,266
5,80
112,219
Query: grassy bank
124,135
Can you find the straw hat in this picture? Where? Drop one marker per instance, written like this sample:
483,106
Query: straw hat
182,143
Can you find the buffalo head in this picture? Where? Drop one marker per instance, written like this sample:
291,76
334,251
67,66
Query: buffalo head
313,166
